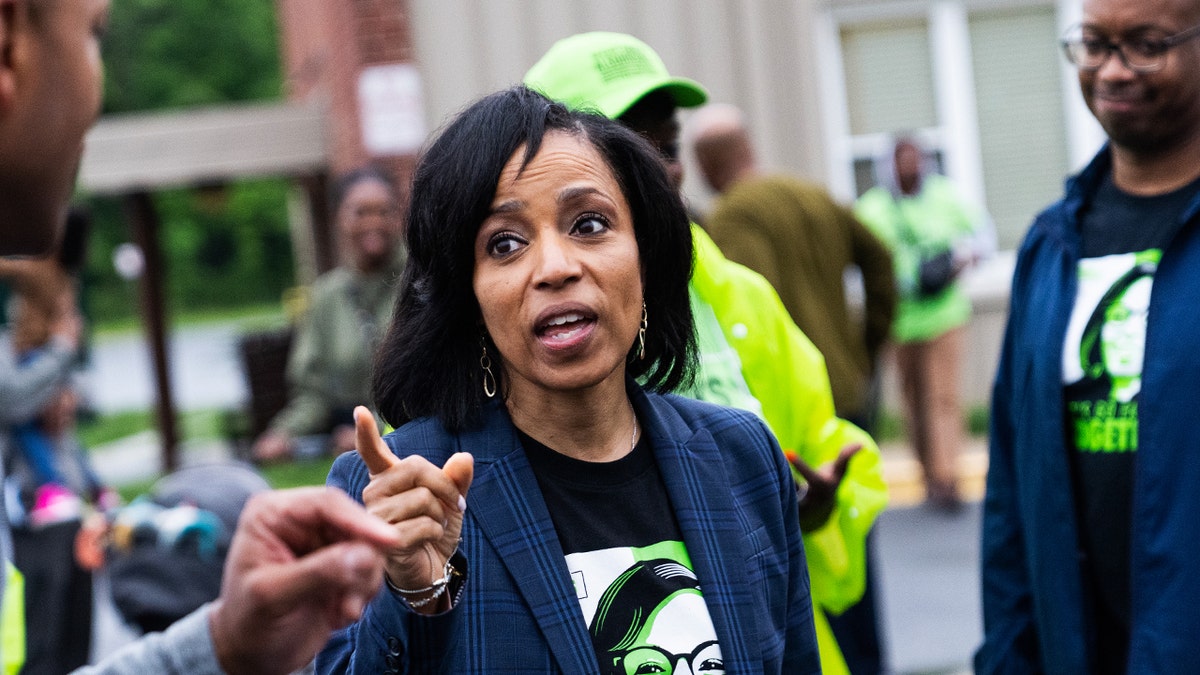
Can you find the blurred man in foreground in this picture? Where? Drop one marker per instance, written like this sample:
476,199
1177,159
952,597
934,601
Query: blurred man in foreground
302,562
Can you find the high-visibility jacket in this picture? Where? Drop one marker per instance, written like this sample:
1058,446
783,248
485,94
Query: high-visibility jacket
786,374
12,621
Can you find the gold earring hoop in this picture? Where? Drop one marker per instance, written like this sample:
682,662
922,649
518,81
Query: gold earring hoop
642,333
489,380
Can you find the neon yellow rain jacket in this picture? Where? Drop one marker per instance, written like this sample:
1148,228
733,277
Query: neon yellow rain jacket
786,373
12,622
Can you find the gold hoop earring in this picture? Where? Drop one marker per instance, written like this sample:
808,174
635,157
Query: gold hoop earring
489,380
642,333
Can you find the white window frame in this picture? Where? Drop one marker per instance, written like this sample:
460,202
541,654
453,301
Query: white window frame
956,134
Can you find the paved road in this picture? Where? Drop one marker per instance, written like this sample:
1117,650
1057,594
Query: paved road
929,573
204,365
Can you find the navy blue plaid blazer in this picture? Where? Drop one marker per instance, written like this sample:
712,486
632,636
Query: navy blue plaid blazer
736,504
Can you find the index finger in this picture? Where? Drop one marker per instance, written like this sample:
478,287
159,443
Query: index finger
298,512
369,444
808,473
843,459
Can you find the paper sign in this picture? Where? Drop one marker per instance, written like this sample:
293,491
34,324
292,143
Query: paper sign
391,109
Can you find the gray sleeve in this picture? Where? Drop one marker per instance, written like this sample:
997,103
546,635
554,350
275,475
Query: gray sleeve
186,648
25,390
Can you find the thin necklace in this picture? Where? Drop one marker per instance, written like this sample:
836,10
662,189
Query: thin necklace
633,437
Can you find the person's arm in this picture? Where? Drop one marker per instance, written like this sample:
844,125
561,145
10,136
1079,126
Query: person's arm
837,550
308,406
786,373
976,240
874,259
426,505
801,654
819,496
878,211
798,404
741,240
302,563
25,390
1009,635
185,648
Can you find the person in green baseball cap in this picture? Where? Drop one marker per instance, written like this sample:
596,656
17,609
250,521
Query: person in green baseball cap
608,72
752,356
622,78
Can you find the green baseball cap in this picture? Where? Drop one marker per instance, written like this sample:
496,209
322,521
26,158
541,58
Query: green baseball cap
607,72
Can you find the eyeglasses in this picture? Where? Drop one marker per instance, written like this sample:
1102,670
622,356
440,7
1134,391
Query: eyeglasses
1139,54
651,659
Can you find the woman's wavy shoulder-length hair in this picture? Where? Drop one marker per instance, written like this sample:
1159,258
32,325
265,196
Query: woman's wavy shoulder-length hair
428,363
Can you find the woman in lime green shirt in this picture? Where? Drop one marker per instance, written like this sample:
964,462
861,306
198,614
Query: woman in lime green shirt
925,222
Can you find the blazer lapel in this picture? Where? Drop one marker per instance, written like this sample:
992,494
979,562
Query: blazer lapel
517,523
691,466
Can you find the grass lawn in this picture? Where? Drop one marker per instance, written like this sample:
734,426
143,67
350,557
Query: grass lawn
194,425
254,317
298,473
278,476
101,429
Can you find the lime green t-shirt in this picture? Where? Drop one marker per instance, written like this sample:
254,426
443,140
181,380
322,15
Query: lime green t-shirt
935,218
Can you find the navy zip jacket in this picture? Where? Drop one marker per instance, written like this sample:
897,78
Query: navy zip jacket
1035,610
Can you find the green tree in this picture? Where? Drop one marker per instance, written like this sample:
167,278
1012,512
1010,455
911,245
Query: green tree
221,251
174,53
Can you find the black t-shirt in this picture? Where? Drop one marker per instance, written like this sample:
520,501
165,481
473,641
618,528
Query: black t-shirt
628,492
1123,237
1120,222
625,552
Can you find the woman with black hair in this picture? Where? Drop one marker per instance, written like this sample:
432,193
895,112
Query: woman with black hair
543,314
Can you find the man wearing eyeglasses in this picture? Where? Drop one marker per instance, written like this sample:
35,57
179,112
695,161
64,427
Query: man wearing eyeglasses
1091,536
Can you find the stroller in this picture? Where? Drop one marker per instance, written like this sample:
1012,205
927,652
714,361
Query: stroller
167,548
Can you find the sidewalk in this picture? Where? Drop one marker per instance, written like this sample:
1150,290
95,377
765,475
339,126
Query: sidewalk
138,458
928,566
902,472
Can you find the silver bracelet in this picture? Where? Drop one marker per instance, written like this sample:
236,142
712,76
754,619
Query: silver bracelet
417,604
438,587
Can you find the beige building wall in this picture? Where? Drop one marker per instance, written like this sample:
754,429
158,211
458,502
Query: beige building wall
758,54
822,82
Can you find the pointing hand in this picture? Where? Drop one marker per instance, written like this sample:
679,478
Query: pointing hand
423,503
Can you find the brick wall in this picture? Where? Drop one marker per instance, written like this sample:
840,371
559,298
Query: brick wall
326,44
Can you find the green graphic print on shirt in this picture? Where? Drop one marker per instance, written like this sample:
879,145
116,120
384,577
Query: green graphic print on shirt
1105,349
645,611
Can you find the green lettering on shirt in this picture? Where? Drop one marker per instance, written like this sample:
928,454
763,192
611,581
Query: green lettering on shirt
1109,428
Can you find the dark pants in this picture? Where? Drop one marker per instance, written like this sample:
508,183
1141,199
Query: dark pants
58,599
857,629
